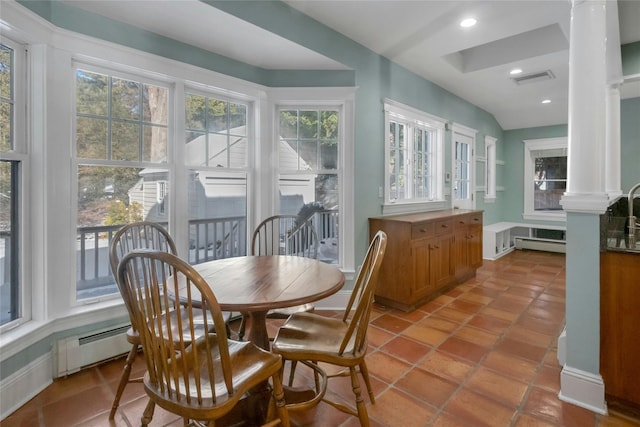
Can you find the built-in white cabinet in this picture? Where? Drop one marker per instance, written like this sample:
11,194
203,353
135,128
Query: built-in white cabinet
501,238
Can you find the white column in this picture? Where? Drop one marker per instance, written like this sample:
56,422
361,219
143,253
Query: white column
584,201
612,154
587,94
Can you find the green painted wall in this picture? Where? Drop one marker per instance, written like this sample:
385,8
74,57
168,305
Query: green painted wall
630,142
630,58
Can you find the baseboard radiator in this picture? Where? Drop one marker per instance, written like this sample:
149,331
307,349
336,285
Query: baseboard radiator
74,353
540,245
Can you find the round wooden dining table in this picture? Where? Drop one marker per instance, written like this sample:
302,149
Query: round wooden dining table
257,284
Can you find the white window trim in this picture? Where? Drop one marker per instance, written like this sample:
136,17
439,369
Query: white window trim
530,146
490,149
405,113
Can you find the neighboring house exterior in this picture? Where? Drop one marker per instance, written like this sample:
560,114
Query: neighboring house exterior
217,195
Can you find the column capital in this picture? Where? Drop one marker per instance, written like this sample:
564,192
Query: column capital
594,203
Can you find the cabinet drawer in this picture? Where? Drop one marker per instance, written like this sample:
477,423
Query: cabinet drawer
422,230
443,226
475,219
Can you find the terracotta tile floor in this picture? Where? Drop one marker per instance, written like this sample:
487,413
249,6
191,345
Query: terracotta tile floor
483,354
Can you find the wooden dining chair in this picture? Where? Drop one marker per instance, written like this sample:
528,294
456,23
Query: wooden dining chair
137,235
199,377
283,235
341,342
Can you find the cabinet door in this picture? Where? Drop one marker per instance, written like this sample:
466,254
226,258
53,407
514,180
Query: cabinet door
475,246
461,253
421,285
440,262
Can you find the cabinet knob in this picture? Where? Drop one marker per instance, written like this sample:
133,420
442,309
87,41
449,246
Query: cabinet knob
423,230
445,226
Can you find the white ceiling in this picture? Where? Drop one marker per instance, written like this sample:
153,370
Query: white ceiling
421,35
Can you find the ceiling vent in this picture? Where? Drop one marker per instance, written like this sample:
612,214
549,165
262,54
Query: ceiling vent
533,77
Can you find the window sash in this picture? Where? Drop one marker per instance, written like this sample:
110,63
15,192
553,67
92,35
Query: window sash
540,201
310,179
413,156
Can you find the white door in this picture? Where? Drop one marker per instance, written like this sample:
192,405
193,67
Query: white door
463,185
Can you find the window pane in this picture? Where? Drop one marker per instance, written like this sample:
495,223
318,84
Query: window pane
399,168
125,99
238,154
196,150
308,124
329,120
9,268
550,182
154,104
238,119
125,140
92,93
91,138
109,197
6,118
195,113
329,155
217,215
289,124
6,98
154,144
6,72
308,155
316,198
217,115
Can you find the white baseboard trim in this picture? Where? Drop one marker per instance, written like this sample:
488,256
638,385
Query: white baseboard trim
337,301
582,389
20,387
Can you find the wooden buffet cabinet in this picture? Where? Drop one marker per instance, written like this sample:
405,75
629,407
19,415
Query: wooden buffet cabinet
426,254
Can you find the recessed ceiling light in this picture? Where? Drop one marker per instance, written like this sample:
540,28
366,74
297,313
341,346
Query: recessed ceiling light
546,101
515,71
468,22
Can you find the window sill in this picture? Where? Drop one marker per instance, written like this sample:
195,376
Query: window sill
560,216
34,331
402,208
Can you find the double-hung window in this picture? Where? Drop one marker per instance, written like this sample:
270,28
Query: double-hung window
13,159
310,168
217,153
545,178
121,148
413,157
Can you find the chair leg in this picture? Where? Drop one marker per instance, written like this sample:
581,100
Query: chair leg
292,372
360,406
365,374
124,379
278,394
147,415
243,326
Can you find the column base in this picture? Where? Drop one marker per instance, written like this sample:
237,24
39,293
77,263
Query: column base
582,389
